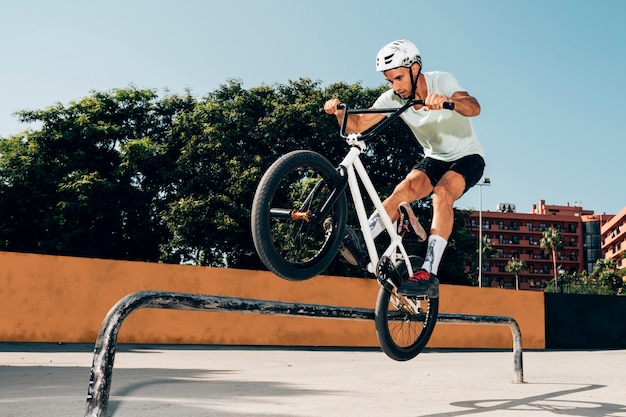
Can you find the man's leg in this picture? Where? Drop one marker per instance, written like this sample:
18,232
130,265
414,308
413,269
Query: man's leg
446,192
415,186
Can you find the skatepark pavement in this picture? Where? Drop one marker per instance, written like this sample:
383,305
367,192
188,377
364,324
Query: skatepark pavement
43,379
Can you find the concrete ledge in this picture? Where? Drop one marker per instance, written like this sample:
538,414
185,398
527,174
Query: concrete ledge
64,299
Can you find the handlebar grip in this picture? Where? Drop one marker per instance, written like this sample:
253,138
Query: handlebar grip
448,105
339,106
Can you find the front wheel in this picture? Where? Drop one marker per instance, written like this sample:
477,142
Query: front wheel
288,225
404,325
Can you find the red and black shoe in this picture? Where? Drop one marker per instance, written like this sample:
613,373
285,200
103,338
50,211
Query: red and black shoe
421,283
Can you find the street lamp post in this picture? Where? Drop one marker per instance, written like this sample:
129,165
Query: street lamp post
485,182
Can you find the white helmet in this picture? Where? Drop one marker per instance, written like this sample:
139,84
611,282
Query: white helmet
401,53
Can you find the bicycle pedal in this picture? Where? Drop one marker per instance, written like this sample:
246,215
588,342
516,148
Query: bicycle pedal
418,297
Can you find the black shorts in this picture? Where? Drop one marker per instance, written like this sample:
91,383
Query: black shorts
471,167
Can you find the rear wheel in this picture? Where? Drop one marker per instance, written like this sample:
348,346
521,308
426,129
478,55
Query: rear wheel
404,325
288,232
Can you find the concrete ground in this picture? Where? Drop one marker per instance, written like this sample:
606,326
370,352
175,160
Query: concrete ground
51,380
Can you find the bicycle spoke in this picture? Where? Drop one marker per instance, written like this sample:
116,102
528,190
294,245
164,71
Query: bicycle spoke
405,326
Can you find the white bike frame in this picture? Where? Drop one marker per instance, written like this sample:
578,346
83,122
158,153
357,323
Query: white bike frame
355,171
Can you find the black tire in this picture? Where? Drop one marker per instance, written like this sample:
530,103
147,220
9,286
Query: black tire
401,333
297,249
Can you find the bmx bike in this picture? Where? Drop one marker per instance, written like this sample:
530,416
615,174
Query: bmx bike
298,220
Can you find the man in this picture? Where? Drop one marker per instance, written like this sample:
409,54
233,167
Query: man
454,158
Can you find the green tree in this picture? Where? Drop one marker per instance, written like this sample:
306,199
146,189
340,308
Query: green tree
603,265
551,242
489,252
84,184
217,166
515,266
606,273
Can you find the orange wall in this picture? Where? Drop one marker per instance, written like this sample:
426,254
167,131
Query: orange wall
64,299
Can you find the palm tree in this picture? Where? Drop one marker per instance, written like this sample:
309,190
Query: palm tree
488,253
552,242
515,266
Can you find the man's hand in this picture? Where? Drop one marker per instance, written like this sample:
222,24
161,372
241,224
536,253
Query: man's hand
464,104
330,106
355,123
435,101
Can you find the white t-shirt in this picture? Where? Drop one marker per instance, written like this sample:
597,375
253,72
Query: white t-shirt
445,135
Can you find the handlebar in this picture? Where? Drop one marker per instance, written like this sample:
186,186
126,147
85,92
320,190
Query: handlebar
396,112
448,105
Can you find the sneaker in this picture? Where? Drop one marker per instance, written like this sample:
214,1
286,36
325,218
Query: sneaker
353,248
408,221
421,283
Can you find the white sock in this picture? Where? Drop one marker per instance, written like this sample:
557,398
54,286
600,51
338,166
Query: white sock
376,224
434,253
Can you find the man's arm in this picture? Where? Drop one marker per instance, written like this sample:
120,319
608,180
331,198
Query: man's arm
464,104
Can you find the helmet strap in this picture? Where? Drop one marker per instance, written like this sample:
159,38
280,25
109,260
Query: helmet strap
414,81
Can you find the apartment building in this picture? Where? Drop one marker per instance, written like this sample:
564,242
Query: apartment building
613,239
517,235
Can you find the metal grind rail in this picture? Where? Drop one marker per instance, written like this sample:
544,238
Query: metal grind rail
106,343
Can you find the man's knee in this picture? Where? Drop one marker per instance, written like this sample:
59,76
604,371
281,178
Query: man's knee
444,195
450,188
418,183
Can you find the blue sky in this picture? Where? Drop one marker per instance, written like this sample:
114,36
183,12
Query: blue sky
549,74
